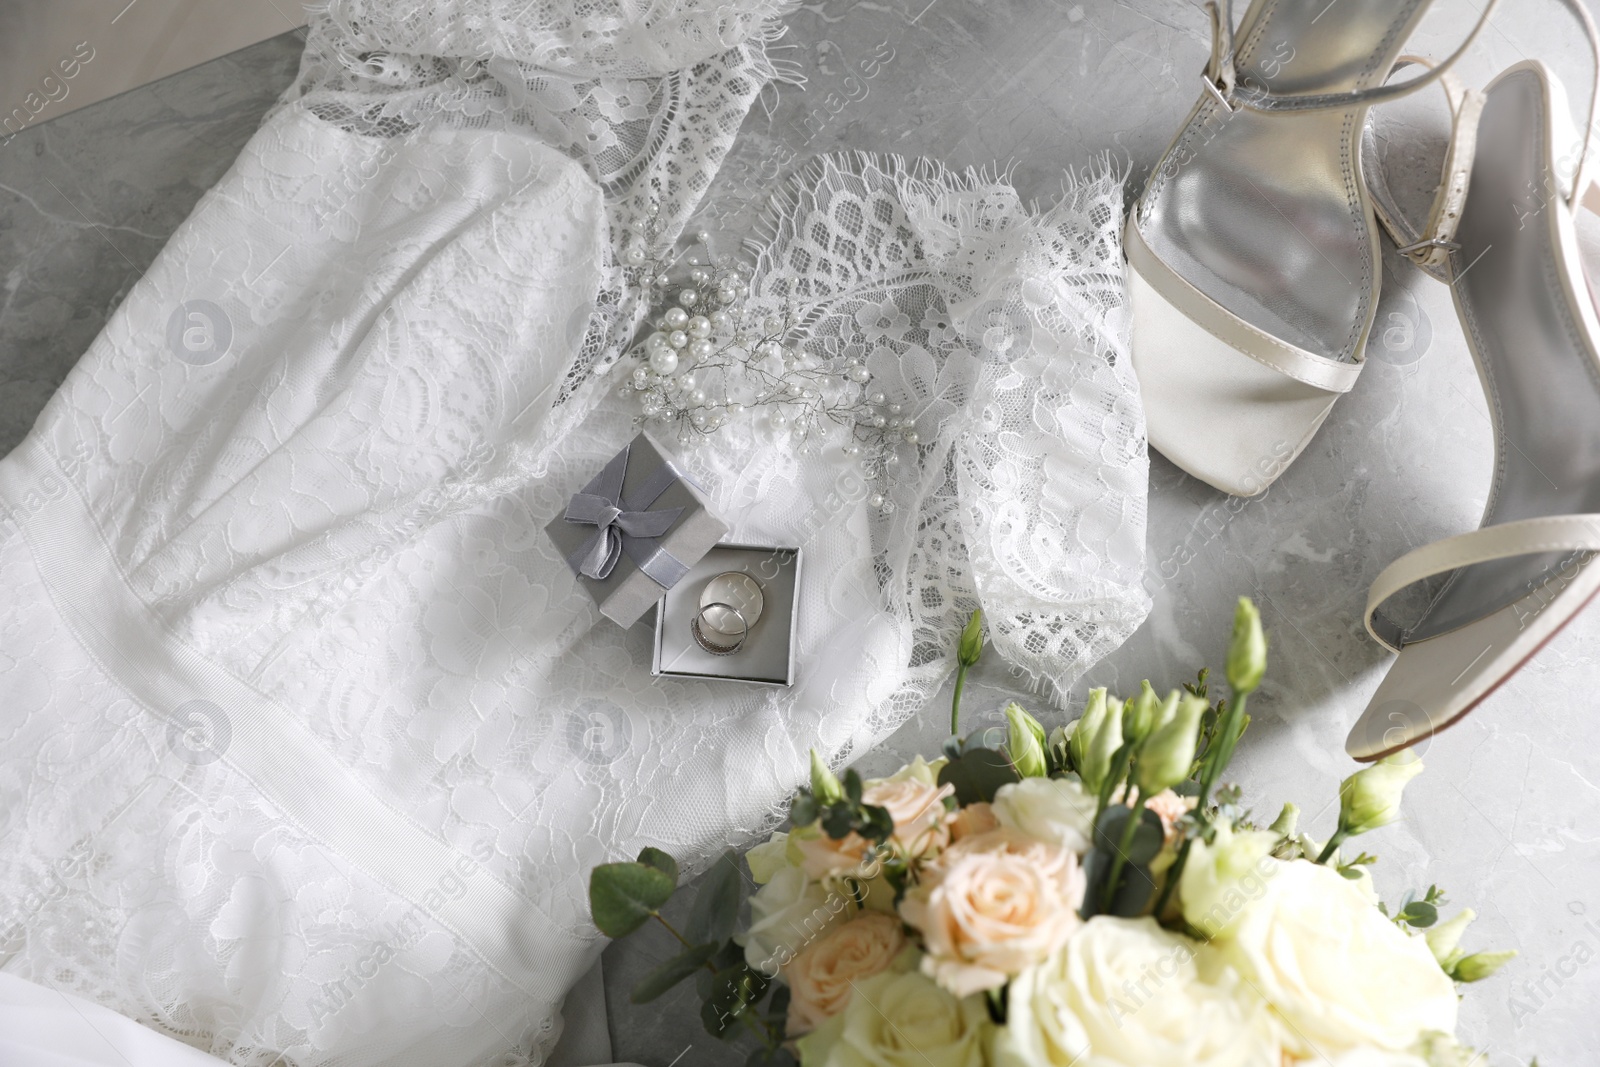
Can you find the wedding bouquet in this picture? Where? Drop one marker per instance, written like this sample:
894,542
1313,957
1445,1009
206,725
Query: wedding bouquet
1093,896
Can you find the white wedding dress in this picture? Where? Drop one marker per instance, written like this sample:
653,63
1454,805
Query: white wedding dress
308,736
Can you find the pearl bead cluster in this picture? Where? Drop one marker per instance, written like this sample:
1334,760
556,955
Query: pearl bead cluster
711,357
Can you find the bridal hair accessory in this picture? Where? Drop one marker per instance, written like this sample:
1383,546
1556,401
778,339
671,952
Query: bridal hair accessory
634,530
713,355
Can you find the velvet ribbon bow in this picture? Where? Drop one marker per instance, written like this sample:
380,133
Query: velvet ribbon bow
626,526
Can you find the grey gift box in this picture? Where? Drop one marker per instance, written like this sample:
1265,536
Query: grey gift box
768,654
671,522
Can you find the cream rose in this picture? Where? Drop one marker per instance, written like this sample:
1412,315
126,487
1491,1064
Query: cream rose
1057,810
913,799
1341,974
1169,808
972,820
992,906
921,822
901,1019
1127,992
821,856
787,914
822,976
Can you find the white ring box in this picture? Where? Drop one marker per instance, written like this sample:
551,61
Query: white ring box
768,654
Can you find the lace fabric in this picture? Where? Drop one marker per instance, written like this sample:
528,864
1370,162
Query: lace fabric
308,737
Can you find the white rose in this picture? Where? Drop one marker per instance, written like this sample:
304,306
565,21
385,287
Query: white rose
768,858
901,1019
1126,993
1376,1057
1341,974
1222,879
1057,810
786,915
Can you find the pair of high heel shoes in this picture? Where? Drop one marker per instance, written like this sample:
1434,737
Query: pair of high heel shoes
1254,272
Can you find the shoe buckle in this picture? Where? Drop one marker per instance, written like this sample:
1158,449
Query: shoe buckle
1430,243
1216,91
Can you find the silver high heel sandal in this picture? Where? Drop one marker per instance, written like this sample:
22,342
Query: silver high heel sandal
1510,254
1253,256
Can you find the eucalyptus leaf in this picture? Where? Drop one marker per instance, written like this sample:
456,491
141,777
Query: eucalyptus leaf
852,785
978,775
1133,895
1147,838
623,896
952,747
803,809
661,861
716,903
1135,886
1096,866
838,821
671,973
1420,914
732,991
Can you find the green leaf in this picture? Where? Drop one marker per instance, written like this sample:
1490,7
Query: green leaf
803,809
838,821
1420,914
732,992
1136,886
716,903
879,823
654,857
623,896
1146,839
852,786
671,973
1133,895
978,774
952,747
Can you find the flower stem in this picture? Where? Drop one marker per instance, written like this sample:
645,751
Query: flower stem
955,701
1217,757
759,1027
1129,828
1333,844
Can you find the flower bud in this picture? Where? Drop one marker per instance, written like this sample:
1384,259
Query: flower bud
1286,822
1168,754
1025,742
1088,724
1370,798
1059,744
971,646
1139,718
1481,965
1102,746
1444,938
824,784
1247,651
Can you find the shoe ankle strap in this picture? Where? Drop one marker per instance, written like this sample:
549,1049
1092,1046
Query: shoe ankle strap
1430,246
1222,75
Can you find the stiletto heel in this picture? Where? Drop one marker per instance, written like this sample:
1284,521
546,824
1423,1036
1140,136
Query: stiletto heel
1532,328
1252,253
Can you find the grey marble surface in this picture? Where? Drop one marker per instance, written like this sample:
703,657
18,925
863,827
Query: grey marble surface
1507,816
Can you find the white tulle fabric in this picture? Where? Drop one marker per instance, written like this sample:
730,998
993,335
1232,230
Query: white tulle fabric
308,738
